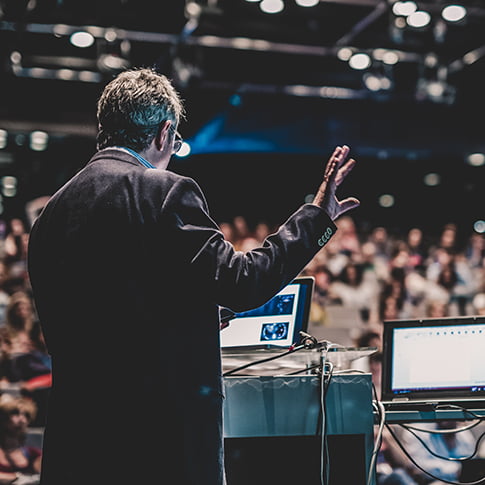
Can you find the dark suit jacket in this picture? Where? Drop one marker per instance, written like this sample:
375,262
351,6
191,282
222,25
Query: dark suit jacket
128,269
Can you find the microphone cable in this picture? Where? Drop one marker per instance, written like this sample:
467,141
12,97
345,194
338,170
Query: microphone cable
308,342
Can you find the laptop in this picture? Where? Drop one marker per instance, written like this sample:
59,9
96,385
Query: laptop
274,325
433,361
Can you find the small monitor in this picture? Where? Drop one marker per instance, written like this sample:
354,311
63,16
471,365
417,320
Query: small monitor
277,323
434,359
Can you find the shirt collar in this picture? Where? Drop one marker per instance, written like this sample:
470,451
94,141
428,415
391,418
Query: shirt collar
142,160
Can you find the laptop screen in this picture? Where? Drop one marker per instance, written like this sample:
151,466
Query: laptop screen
438,359
276,323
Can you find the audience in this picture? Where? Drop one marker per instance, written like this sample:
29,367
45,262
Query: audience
431,445
20,318
374,275
20,463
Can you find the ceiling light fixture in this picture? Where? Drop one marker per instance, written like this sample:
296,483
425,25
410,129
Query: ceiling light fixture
404,8
419,19
272,6
454,13
81,39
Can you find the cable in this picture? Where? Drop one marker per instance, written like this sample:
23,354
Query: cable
461,408
449,458
307,342
325,459
378,440
441,431
306,369
413,461
261,361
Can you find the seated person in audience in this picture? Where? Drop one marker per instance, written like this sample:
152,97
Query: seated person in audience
434,448
27,372
478,303
20,318
391,468
20,463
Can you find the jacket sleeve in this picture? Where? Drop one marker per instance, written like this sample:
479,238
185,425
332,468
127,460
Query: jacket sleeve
238,280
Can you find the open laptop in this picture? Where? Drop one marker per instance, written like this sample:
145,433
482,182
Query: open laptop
276,324
433,361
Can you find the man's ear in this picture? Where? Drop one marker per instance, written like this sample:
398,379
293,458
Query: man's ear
162,135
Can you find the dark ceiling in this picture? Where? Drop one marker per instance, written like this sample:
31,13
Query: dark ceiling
232,46
269,85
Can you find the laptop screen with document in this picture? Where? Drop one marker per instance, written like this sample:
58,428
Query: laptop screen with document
434,360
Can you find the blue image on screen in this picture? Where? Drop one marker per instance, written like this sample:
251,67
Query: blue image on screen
274,331
278,305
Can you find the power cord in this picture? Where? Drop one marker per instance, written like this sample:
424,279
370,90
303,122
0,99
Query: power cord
434,477
449,458
441,431
378,440
325,458
307,342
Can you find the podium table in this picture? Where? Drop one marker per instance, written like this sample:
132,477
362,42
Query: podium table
273,428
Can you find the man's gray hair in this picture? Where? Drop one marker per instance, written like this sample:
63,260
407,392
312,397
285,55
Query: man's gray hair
133,106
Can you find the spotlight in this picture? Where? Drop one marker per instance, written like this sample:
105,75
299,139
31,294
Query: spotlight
272,6
360,61
82,39
404,8
419,19
453,13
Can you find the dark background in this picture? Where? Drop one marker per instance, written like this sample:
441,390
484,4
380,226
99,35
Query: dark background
258,149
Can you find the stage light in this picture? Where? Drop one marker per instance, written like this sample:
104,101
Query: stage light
386,200
432,179
82,39
111,62
16,58
479,226
377,82
360,61
476,159
307,3
453,13
38,140
404,8
272,6
3,139
193,9
66,74
344,53
9,186
390,57
184,151
419,19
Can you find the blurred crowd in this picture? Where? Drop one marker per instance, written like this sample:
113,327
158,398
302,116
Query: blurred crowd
367,278
361,280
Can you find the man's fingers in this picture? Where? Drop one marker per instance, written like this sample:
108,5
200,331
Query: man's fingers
344,171
348,203
332,162
338,157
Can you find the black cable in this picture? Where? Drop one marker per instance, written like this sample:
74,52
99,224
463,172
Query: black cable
440,431
461,408
449,458
262,361
434,477
308,342
306,369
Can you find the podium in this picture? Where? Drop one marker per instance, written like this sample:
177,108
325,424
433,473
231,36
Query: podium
274,427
